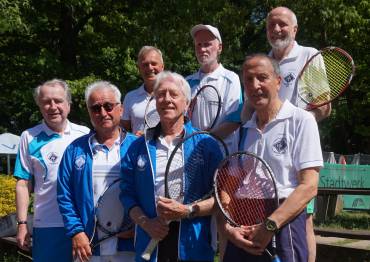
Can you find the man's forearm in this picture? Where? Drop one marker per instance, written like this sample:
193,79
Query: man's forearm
22,199
297,200
225,129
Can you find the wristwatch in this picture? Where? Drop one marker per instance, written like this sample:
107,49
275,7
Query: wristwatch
20,222
192,212
271,226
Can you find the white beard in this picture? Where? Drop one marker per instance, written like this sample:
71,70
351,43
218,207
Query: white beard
281,44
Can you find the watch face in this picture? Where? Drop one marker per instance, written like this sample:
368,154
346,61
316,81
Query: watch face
271,225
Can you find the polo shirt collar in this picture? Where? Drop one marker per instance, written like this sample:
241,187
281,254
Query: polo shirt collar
293,54
49,132
285,112
142,91
220,71
95,146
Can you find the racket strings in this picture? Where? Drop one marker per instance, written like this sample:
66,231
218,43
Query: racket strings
151,114
325,77
245,191
205,107
109,210
189,172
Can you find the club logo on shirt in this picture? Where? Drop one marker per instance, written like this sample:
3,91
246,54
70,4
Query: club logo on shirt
52,157
141,162
80,162
289,78
280,145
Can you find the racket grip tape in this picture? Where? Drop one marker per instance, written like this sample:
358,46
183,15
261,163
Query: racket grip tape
149,249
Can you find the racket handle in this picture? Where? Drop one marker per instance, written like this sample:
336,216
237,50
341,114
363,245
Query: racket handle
149,249
275,259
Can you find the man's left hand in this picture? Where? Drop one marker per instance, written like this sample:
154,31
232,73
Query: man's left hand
170,209
260,236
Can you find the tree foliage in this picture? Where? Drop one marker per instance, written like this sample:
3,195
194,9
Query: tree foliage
84,40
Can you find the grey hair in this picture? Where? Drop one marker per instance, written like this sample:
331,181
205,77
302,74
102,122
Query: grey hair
98,85
178,79
274,62
293,17
145,50
53,82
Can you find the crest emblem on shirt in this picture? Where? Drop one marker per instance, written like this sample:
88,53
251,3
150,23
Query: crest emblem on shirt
280,145
53,158
141,162
80,162
289,78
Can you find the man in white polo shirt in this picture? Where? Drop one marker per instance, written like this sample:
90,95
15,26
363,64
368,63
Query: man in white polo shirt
281,29
208,48
40,152
89,165
150,63
287,138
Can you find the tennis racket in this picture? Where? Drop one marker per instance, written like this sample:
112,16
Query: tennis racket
151,116
109,219
325,76
184,180
246,192
205,107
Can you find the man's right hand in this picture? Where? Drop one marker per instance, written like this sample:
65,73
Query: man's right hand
81,247
157,227
23,237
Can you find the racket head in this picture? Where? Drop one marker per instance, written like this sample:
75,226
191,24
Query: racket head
205,107
185,170
151,116
245,189
109,212
325,76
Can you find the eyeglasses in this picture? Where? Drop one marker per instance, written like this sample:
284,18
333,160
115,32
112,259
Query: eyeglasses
108,107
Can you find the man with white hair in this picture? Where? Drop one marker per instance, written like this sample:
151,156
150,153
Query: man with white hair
190,236
90,164
40,152
150,63
281,30
208,48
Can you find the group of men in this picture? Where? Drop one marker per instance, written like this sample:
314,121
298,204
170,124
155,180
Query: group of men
68,166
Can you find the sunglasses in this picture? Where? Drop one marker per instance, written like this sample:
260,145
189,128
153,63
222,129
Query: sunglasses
108,107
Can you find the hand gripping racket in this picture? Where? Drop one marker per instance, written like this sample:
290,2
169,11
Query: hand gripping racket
109,219
246,192
151,116
205,107
186,181
325,76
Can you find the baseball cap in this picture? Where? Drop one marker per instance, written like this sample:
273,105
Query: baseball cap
209,28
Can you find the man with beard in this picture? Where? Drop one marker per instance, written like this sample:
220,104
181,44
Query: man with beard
281,30
208,48
150,63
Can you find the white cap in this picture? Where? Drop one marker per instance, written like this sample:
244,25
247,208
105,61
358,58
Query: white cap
209,28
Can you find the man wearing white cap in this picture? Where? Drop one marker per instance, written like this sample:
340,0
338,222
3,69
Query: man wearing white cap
208,47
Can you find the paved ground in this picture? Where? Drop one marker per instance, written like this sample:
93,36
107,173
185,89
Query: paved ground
343,242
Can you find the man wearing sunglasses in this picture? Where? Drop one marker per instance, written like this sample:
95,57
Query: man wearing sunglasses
89,165
40,152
